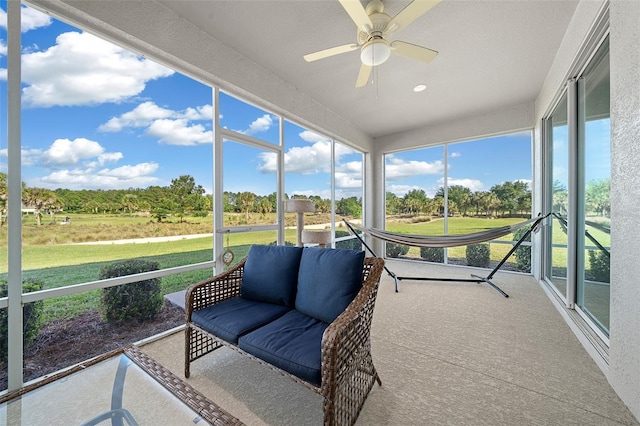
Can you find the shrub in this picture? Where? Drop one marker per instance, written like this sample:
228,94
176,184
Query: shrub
31,314
432,254
286,243
396,250
478,255
134,301
522,253
599,270
352,244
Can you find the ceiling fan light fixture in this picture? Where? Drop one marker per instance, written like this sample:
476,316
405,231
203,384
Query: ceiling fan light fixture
375,52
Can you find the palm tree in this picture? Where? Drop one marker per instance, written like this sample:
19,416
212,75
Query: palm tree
130,203
41,200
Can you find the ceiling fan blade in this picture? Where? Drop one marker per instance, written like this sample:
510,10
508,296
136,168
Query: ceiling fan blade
363,75
412,51
358,14
410,13
330,52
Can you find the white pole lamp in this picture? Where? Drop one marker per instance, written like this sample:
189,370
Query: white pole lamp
300,207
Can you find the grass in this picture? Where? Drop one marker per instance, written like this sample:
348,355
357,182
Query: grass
50,253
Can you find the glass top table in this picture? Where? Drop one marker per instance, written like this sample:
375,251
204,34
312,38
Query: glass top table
124,387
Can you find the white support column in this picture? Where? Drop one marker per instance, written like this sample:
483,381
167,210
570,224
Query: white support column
280,182
218,202
14,203
572,230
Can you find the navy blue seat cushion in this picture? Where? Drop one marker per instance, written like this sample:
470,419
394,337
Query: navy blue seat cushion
271,274
234,317
328,280
292,343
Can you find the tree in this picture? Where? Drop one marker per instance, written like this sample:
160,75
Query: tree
491,203
264,206
130,203
513,196
478,200
245,201
392,203
560,198
414,201
186,195
4,194
349,207
162,208
598,196
462,198
41,200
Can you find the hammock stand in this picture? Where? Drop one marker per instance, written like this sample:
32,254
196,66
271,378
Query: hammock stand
457,240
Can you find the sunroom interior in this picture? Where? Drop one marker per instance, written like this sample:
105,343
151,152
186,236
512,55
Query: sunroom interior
552,88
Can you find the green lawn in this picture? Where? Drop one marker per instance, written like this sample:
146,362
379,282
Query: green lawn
58,265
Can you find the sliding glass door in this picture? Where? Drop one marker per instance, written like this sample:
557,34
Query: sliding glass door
592,295
577,186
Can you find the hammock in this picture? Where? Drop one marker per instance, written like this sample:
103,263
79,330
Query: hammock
443,240
451,241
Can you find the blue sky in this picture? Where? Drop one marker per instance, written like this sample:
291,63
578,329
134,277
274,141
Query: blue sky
98,116
477,165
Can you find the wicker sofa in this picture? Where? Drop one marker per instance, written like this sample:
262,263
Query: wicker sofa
305,312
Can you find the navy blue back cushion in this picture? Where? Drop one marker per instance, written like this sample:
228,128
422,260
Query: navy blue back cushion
271,274
328,280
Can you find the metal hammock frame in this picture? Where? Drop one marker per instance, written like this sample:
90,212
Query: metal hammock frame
450,241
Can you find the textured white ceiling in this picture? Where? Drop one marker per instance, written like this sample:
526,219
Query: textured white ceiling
492,55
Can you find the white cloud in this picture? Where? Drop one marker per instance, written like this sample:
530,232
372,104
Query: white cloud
309,136
473,184
82,69
311,159
179,132
169,126
260,124
3,52
30,19
397,168
349,175
147,112
130,172
401,190
455,155
141,116
63,152
136,176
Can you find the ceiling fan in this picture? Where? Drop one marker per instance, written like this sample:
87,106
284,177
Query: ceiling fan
374,28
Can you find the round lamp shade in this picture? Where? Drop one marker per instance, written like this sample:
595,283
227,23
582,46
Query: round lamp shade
300,206
316,237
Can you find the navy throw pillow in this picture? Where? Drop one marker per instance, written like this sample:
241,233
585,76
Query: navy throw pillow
328,280
271,274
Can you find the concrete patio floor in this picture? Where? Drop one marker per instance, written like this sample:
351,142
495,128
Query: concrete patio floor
447,354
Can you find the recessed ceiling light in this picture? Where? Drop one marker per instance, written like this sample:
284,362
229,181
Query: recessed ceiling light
420,88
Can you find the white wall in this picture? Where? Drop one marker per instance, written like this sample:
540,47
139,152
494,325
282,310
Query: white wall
623,369
624,354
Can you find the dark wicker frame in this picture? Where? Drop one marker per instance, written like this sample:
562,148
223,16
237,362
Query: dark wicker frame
348,373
